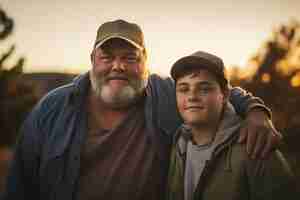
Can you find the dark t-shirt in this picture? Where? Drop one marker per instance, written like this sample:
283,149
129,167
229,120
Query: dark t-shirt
121,163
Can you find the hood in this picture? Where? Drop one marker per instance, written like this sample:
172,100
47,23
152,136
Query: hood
228,127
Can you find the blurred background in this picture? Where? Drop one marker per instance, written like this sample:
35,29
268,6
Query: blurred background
44,44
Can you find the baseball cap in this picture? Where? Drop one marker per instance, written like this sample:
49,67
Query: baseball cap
121,29
199,60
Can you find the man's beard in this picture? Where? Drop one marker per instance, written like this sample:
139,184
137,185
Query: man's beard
126,96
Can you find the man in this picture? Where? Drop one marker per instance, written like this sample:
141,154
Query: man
108,134
206,161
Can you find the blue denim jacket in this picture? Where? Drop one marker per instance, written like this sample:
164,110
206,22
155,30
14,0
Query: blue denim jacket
47,158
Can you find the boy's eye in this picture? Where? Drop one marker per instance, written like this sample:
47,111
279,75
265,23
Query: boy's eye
182,89
205,90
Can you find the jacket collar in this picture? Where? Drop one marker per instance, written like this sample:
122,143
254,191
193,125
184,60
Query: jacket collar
70,114
81,85
181,138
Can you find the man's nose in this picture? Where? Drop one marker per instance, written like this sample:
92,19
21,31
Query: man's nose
118,65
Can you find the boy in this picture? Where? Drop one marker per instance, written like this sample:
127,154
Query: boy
206,160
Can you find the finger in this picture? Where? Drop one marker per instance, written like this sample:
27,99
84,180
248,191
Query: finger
243,134
259,145
251,139
276,134
268,147
272,142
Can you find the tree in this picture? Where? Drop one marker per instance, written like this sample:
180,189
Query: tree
6,28
277,78
15,98
277,81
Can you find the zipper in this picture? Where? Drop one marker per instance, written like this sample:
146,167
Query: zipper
209,167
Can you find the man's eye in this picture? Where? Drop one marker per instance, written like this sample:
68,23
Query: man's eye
106,58
131,59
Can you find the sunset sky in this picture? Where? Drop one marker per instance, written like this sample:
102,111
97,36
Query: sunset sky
58,35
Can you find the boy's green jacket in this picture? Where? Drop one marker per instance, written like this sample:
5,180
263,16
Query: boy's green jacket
232,175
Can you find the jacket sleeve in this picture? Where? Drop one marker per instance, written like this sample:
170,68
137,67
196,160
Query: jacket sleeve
161,92
162,100
243,101
271,179
22,181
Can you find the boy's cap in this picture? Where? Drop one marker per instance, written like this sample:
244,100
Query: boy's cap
199,60
121,29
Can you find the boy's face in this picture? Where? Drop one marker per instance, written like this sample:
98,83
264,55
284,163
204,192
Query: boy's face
200,99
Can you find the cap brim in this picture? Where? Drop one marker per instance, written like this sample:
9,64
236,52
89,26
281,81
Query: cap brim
188,63
100,43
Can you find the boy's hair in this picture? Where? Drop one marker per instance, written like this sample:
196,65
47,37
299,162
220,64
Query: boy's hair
197,61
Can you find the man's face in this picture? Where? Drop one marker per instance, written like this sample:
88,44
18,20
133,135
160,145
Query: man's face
118,73
200,99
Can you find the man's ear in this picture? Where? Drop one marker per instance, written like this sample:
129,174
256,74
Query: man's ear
226,93
92,56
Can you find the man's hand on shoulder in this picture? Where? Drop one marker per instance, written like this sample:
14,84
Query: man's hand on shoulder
259,133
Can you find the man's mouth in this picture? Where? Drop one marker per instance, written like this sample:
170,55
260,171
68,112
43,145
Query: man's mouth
117,79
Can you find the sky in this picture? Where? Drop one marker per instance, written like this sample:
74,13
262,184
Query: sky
58,35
